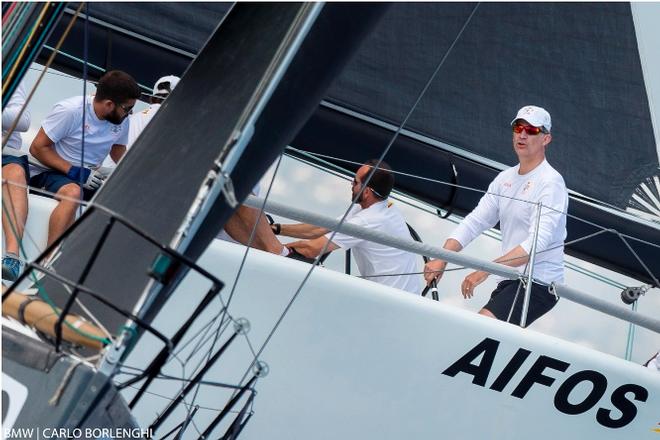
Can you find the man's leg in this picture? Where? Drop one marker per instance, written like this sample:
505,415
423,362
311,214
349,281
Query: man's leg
487,312
65,212
240,224
15,206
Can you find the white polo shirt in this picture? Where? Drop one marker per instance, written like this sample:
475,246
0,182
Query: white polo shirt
12,109
64,127
375,259
139,121
136,123
511,200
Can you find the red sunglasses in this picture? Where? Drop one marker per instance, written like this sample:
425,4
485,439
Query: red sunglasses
530,129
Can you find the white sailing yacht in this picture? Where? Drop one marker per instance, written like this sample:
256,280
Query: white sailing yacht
300,351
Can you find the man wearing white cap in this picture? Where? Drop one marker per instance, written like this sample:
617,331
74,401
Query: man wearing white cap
511,200
138,121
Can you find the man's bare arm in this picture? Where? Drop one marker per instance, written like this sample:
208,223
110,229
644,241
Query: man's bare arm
302,230
240,224
312,248
117,152
43,149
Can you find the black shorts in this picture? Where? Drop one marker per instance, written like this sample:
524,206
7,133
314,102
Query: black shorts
18,160
540,301
54,180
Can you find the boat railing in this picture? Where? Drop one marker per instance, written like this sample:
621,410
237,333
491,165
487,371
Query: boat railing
409,245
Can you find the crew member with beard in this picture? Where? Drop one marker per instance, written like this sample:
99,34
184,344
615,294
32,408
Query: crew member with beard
376,262
68,166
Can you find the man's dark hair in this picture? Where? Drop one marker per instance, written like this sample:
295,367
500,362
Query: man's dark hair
118,87
382,181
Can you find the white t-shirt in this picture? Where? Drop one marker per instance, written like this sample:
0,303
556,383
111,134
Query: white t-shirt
377,259
9,114
64,127
518,218
136,123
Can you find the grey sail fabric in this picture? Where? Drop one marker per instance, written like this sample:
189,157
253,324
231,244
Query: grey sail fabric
578,60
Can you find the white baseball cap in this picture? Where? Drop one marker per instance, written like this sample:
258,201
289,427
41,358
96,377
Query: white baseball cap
159,87
536,116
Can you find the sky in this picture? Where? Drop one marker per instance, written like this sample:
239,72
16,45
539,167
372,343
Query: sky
324,193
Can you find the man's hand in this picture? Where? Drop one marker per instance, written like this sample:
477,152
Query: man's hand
433,270
91,179
78,174
303,248
471,281
95,180
312,248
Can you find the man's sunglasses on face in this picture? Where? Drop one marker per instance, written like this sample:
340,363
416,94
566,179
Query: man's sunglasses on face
529,129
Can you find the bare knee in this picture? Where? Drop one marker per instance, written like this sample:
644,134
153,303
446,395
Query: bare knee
69,193
14,173
487,312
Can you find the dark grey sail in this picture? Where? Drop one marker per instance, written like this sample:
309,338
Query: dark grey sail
578,60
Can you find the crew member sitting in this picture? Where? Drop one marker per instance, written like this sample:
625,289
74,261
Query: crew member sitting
376,262
68,166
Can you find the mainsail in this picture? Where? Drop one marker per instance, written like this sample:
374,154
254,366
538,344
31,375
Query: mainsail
586,72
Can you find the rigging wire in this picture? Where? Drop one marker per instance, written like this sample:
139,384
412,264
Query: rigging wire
363,187
56,73
84,103
16,59
7,13
225,312
99,68
253,232
15,25
339,172
467,188
203,362
53,18
568,243
42,292
41,76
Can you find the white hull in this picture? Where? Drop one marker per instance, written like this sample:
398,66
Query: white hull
354,359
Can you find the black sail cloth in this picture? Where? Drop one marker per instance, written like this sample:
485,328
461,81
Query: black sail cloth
578,60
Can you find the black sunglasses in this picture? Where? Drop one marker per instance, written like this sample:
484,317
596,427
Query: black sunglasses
127,110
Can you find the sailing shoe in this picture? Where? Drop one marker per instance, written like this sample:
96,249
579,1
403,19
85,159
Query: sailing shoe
11,268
